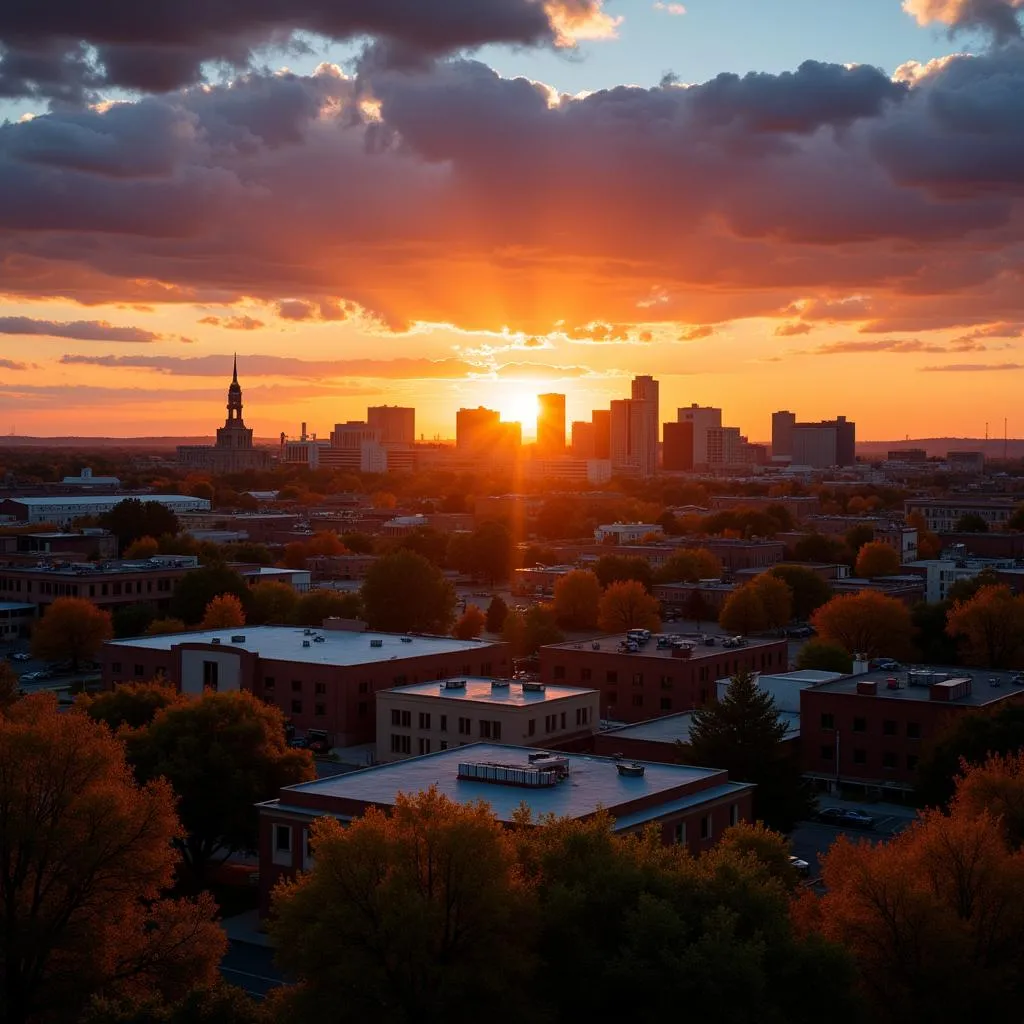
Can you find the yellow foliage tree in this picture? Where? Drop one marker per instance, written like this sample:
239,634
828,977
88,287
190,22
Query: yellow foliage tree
627,605
223,612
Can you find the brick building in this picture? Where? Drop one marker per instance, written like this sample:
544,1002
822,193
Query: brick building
320,678
689,805
635,686
869,730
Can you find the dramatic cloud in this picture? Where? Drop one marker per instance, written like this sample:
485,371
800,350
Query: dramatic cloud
972,367
233,323
898,346
697,332
791,330
12,364
996,16
67,49
79,330
442,193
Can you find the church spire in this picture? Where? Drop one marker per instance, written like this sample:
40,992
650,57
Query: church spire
234,370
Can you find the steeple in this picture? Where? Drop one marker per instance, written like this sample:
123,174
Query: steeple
234,370
235,396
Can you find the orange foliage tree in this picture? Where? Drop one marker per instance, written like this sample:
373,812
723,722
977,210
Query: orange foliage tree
688,566
928,543
627,605
990,626
577,599
162,627
85,857
144,547
877,559
776,598
225,611
71,628
323,544
134,705
867,623
470,624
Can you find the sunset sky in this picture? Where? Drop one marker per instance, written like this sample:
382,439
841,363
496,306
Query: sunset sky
804,204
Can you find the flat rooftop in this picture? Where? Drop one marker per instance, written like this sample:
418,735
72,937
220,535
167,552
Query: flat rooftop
482,691
105,499
593,783
285,643
983,691
110,568
609,645
670,729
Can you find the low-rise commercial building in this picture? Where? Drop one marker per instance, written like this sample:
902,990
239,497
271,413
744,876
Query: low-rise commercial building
78,546
940,574
426,717
941,515
627,533
64,510
637,685
320,678
908,588
869,730
690,806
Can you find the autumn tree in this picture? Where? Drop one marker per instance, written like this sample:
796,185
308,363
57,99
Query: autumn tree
233,739
990,627
272,602
577,597
743,611
867,623
85,858
513,632
10,689
496,612
776,599
689,565
809,590
134,705
995,787
313,607
824,656
470,624
617,569
420,914
858,536
72,629
131,519
928,543
403,592
163,627
223,612
877,558
196,589
144,547
696,607
744,733
628,605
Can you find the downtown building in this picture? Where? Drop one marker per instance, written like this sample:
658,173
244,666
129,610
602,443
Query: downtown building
822,445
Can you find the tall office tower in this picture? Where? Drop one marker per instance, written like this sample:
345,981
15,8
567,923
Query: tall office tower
397,424
825,444
846,442
582,440
677,447
703,419
633,440
353,434
783,423
551,424
646,389
475,428
602,420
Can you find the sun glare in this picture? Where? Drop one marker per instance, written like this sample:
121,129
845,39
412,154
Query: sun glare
520,405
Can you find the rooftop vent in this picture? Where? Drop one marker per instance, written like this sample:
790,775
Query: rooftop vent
454,684
306,643
867,687
533,687
630,771
951,689
377,643
499,684
536,775
215,640
406,639
238,638
307,632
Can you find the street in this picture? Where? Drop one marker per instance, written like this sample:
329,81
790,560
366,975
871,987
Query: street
251,968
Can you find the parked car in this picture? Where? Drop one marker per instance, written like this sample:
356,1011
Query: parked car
884,665
20,656
799,632
846,817
733,641
801,867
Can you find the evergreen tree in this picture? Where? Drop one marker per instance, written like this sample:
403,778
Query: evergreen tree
744,734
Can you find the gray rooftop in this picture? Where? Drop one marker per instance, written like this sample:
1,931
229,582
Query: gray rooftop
609,645
672,728
105,499
982,693
338,647
478,690
593,783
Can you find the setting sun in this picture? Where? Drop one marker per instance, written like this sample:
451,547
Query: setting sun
519,404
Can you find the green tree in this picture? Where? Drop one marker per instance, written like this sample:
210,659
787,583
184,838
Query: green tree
617,569
134,705
10,689
132,619
358,543
313,607
540,627
428,542
859,535
935,645
697,608
577,597
1016,521
823,656
513,632
744,733
816,547
131,519
490,551
496,612
776,599
963,590
403,592
743,612
71,628
971,523
417,915
272,602
689,566
196,589
222,753
809,590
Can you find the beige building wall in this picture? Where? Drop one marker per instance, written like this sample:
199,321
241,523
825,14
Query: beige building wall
426,721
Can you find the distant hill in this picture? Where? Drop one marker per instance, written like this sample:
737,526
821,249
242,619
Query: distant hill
939,446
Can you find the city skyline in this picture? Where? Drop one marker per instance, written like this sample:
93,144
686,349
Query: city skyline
558,208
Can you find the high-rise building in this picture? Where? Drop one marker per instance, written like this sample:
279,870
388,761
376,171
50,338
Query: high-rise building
703,419
480,432
677,447
633,439
602,420
783,423
825,444
551,424
582,440
396,423
647,389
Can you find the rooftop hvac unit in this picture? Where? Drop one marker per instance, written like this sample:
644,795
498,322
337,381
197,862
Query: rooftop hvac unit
530,776
238,639
499,684
533,687
377,643
307,632
215,640
630,771
406,639
455,684
306,643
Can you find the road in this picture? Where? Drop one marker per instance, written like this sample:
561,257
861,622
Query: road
251,968
811,839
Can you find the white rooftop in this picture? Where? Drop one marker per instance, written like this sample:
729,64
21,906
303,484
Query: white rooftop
105,499
481,691
285,643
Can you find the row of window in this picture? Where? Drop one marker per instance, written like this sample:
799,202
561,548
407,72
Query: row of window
706,825
890,759
705,673
402,744
664,703
57,588
270,685
890,727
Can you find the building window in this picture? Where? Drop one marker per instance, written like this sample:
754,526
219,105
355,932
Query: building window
734,814
562,720
444,723
828,752
888,759
465,727
140,670
611,676
424,719
485,729
585,675
638,679
296,686
559,672
396,716
296,707
496,730
550,723
115,666
424,745
828,721
406,719
860,756
320,688
583,716
400,744
703,695
912,760
705,826
210,675
666,703
320,710
860,725
638,700
679,833
889,727
268,683
914,730
666,682
362,708
282,839
531,727
364,687
444,744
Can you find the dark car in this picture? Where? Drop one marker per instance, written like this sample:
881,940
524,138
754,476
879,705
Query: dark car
845,817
